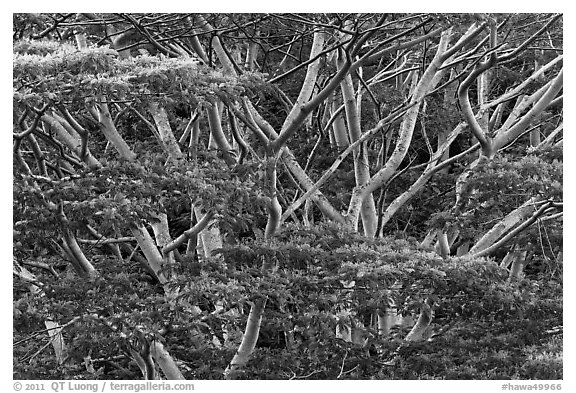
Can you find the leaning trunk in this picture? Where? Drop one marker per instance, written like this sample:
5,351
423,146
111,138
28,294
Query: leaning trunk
249,340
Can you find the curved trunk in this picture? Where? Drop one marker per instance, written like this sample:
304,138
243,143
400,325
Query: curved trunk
421,330
217,134
249,340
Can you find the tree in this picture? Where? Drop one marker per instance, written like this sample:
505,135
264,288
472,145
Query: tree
309,120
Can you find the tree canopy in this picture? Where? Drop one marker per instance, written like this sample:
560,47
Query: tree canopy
287,196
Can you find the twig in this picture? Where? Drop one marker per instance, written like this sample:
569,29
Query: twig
342,367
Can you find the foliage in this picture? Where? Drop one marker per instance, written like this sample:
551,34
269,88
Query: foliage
326,287
497,329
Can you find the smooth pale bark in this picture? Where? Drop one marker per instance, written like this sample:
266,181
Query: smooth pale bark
312,188
405,133
252,330
386,320
509,257
443,244
165,131
54,330
517,266
165,361
294,167
483,87
111,244
430,170
429,239
522,103
308,85
304,180
274,208
24,274
547,207
81,41
549,140
57,340
162,236
38,154
421,330
154,259
478,124
251,56
82,265
344,328
217,134
536,133
508,135
361,164
75,144
504,225
189,234
67,124
217,46
496,118
187,130
194,139
111,133
462,183
214,119
249,339
210,237
195,42
150,251
145,364
463,249
449,104
518,89
194,240
339,128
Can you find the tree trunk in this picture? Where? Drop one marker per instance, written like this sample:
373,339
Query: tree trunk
162,237
57,340
430,170
72,142
81,41
504,225
274,208
361,164
421,330
153,256
425,84
217,134
249,340
339,129
111,133
210,238
165,132
517,266
165,361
